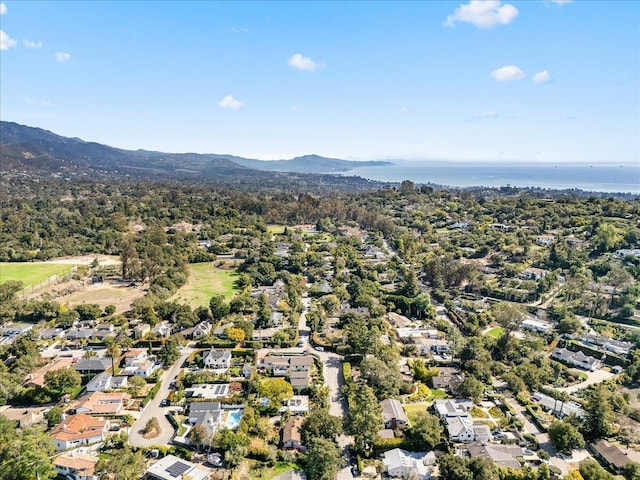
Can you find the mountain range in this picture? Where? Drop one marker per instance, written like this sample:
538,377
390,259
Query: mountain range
24,148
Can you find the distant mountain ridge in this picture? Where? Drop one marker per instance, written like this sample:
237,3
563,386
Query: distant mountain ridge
31,148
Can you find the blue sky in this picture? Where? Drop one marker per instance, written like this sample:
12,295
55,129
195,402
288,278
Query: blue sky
513,80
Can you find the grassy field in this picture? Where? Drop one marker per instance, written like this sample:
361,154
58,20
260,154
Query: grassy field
413,409
32,273
276,229
205,281
495,332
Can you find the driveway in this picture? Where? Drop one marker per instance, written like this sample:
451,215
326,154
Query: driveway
153,409
542,438
593,378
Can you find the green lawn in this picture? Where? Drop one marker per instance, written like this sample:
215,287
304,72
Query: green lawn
495,332
32,273
205,281
276,229
413,409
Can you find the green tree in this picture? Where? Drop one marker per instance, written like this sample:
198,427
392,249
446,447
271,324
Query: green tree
320,424
114,351
607,237
123,464
136,385
598,419
471,388
565,436
88,311
63,380
219,307
631,471
323,459
235,334
53,416
198,436
169,352
275,389
25,454
364,419
426,432
591,470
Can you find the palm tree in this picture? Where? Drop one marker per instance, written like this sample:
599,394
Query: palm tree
113,350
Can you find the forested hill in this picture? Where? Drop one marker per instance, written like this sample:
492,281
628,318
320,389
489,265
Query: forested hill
35,149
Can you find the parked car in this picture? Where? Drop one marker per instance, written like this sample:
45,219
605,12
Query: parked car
320,349
164,402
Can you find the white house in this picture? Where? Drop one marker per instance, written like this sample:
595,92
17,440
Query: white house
452,407
208,391
99,383
218,359
462,429
576,359
145,369
76,466
80,429
535,326
174,468
402,464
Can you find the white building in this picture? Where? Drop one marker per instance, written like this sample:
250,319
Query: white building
402,464
535,326
174,468
218,359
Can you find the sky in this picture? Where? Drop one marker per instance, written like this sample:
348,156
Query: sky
527,81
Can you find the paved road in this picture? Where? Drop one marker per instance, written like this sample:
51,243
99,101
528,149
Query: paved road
543,439
153,409
593,378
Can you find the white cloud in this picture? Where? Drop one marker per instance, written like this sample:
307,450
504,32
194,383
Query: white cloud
559,2
240,30
295,108
404,110
483,14
490,115
3,9
63,57
30,44
40,103
300,62
541,77
6,42
508,73
230,103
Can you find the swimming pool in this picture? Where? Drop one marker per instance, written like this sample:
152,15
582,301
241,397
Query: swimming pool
233,419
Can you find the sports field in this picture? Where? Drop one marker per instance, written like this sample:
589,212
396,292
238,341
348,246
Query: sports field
32,273
205,281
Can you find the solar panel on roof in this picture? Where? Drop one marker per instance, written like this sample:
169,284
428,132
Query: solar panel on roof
178,469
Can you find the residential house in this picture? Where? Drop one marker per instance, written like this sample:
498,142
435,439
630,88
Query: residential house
77,430
218,359
135,356
23,416
398,321
557,407
247,369
99,383
449,380
280,365
545,240
533,273
162,330
400,463
437,346
634,252
299,380
393,414
503,455
101,403
291,434
576,359
208,391
613,456
202,329
76,466
174,468
452,407
36,379
17,329
145,369
50,333
296,405
141,331
462,429
536,326
93,365
264,334
207,415
608,344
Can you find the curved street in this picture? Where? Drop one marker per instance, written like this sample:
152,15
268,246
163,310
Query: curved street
153,409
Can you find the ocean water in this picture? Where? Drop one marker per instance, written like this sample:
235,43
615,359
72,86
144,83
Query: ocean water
597,178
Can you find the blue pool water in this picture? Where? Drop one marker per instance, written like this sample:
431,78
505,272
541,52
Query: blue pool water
233,419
